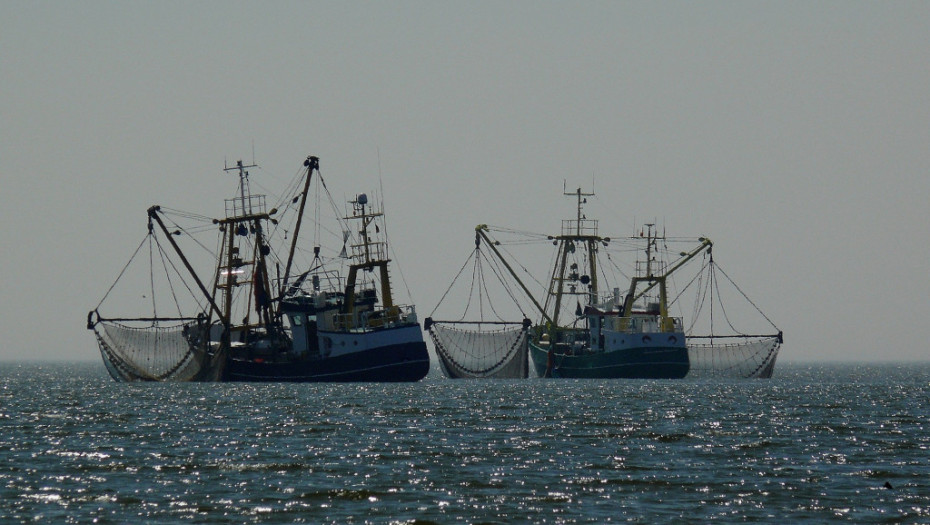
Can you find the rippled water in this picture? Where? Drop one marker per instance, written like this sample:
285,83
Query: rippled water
815,443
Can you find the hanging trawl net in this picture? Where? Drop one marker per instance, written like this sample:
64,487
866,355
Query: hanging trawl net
465,353
157,352
751,358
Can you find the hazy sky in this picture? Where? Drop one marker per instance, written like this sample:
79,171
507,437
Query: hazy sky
794,134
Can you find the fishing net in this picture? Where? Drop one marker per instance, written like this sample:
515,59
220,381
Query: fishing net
469,353
156,352
751,358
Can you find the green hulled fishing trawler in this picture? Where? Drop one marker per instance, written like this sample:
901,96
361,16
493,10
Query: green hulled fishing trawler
580,330
609,335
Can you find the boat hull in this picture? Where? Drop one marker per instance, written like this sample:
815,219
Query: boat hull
402,362
652,362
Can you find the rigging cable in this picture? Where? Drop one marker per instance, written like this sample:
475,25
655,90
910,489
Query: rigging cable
384,222
123,270
152,283
161,254
471,289
693,279
181,229
482,290
518,263
181,276
722,309
453,283
499,273
699,299
483,283
717,266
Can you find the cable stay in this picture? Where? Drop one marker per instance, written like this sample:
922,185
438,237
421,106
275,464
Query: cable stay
480,343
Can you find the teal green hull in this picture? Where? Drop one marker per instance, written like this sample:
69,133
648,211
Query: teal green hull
654,362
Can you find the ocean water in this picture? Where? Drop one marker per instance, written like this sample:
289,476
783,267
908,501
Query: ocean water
817,443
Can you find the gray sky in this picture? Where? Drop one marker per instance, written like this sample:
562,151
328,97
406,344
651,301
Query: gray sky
794,134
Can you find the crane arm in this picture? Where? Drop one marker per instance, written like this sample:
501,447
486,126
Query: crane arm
480,230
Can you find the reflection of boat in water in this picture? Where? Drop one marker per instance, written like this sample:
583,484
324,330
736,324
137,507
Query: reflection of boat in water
586,333
250,326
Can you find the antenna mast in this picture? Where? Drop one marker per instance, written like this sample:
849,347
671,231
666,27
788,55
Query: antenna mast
244,191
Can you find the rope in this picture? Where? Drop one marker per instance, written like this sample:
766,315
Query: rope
499,273
161,253
152,278
187,232
745,296
683,290
400,270
185,214
123,270
698,300
722,308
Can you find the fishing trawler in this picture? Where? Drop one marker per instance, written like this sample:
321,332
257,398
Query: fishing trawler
606,337
609,336
586,333
249,326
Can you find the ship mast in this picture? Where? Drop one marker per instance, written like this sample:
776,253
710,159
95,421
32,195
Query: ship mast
312,163
245,215
371,254
580,231
650,240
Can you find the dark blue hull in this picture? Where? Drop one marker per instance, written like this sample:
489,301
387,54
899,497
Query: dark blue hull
631,363
403,362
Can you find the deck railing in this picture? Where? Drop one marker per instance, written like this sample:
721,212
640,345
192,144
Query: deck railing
583,227
636,325
374,319
245,207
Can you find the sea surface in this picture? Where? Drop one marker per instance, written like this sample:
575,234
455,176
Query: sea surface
816,443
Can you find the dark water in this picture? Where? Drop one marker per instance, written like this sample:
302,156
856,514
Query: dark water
815,443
